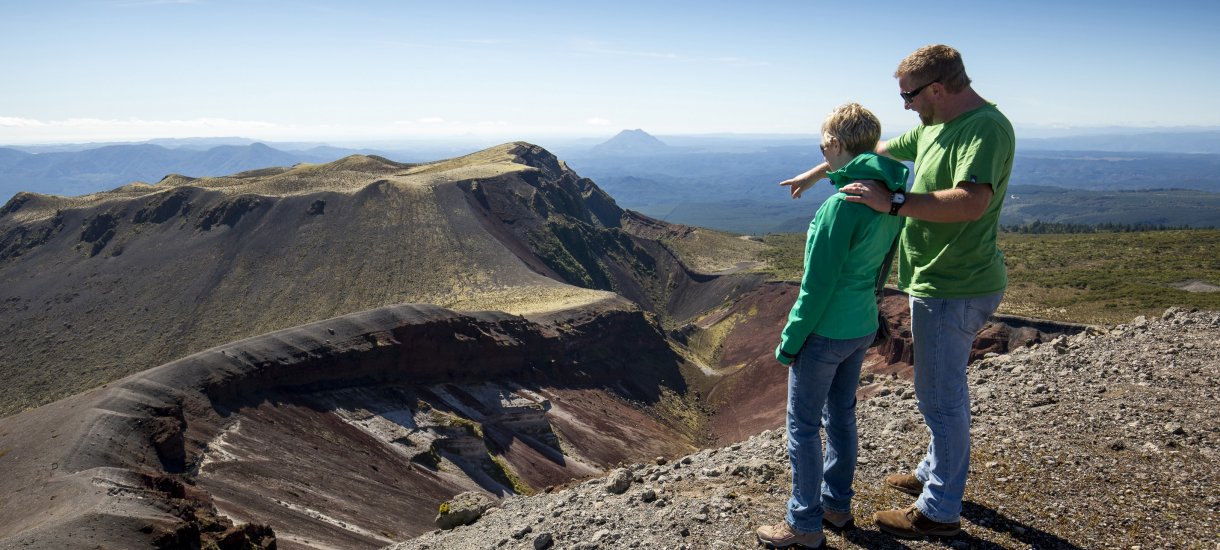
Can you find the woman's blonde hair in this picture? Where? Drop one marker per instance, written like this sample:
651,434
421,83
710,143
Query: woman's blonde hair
853,125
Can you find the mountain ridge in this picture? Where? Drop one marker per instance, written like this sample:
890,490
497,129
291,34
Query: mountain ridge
700,182
509,228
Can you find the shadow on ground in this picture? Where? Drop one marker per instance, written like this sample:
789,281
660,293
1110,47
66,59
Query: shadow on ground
980,517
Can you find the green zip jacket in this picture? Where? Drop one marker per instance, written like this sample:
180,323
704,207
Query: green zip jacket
846,244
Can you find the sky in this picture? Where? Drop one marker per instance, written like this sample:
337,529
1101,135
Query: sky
368,71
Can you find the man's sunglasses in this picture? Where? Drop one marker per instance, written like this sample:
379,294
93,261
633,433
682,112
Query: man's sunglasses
911,95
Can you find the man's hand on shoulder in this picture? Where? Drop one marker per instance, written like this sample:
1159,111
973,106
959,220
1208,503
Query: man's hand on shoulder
870,192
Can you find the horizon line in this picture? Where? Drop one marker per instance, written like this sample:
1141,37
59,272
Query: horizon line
1069,131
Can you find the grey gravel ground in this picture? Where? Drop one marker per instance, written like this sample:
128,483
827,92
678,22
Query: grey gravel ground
1104,440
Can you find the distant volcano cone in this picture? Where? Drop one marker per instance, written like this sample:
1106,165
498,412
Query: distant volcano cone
632,142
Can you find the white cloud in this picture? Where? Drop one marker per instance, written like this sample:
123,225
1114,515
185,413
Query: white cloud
17,130
18,122
134,123
21,129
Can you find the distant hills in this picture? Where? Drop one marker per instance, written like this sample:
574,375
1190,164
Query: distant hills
727,182
110,166
78,169
1202,142
709,184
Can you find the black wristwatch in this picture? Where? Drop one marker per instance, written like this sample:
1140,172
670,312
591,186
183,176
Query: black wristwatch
896,201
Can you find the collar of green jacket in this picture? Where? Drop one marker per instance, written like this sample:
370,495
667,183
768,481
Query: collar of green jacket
871,166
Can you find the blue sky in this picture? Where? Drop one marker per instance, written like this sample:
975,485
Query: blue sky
379,70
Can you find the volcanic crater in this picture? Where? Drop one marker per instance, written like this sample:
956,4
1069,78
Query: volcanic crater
317,356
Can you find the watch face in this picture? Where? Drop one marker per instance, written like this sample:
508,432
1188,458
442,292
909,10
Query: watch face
898,198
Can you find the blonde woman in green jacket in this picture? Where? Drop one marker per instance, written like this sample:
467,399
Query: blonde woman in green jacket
830,327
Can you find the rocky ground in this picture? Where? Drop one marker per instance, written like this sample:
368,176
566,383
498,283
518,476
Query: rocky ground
1104,440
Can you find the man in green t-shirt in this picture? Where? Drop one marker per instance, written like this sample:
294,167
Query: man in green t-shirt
949,265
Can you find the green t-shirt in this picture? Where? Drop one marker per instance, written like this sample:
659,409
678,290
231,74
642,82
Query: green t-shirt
956,260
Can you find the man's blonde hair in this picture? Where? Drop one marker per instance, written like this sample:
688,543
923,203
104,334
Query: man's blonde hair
856,127
935,62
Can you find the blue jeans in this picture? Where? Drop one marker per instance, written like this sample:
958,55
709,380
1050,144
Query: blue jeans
822,385
943,332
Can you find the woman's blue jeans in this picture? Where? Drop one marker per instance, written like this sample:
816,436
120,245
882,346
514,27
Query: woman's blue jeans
822,385
943,332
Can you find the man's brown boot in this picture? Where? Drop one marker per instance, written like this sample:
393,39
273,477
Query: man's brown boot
781,535
837,521
906,483
909,523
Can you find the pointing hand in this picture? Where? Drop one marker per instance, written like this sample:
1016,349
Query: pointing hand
797,186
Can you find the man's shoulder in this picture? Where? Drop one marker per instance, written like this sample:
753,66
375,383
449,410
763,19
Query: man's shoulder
989,116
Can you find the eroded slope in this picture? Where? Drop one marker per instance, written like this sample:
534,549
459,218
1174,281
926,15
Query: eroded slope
342,433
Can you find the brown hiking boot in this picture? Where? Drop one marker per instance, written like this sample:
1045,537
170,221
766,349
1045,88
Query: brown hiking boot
906,483
837,521
909,523
781,535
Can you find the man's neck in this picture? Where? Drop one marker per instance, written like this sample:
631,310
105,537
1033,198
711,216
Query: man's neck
962,102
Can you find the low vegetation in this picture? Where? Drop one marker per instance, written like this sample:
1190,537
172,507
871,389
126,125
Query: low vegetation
1095,278
1043,228
711,251
1111,277
500,471
785,255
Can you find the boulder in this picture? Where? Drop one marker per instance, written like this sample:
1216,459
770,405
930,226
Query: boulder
463,509
619,481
